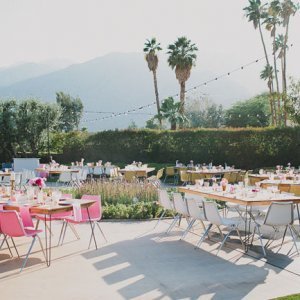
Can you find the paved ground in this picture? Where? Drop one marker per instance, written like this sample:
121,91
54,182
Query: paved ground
140,262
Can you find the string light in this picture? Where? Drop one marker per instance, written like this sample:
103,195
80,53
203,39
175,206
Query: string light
114,114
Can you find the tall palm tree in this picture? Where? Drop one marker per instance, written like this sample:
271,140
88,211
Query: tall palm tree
255,12
272,20
151,48
288,9
267,74
170,110
182,58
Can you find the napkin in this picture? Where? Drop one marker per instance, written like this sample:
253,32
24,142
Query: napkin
77,212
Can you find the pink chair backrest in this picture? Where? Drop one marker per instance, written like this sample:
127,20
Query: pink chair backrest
11,223
95,210
26,216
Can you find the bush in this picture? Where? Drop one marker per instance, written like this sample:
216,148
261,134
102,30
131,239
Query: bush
245,148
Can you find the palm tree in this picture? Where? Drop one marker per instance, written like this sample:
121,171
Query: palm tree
171,111
271,20
267,74
288,9
182,58
151,47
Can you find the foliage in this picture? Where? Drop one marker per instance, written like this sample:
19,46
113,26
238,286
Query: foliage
122,200
245,148
170,110
205,114
182,56
8,132
293,105
152,124
132,125
71,112
254,112
151,48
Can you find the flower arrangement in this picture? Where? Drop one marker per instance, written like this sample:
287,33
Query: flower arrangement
38,181
224,183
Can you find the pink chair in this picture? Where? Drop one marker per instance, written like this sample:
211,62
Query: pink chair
95,213
12,226
4,237
57,217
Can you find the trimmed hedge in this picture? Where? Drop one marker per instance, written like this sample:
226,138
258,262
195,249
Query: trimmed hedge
244,148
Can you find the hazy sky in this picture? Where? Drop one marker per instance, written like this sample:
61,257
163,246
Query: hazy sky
37,30
79,30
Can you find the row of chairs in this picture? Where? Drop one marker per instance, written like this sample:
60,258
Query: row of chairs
284,187
196,208
21,178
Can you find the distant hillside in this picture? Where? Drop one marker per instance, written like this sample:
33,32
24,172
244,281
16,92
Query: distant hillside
115,83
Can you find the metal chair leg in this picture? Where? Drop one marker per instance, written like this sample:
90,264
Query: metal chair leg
286,227
40,242
98,225
61,231
239,234
5,241
15,246
261,242
203,236
160,218
188,229
224,240
172,224
27,255
74,231
293,237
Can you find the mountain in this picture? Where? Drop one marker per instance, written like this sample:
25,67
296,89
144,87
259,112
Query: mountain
24,71
115,83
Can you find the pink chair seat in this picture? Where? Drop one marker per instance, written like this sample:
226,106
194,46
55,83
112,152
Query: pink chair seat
32,232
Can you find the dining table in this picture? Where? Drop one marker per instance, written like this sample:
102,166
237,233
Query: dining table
246,196
139,171
48,210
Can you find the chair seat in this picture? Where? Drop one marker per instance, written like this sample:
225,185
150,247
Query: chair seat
54,217
32,232
71,219
230,223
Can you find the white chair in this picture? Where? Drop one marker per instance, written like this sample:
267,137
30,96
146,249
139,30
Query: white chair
164,201
181,210
212,215
98,171
65,178
195,210
279,214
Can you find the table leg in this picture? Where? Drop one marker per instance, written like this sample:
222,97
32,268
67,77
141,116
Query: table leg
92,228
48,243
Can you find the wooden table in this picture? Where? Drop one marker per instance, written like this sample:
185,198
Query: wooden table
56,171
139,172
248,202
48,211
5,174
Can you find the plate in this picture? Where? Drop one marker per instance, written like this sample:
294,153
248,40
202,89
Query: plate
65,203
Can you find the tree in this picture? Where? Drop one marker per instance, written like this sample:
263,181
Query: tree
204,113
151,48
255,13
293,101
288,9
254,112
8,132
132,126
182,58
152,124
171,111
71,112
34,120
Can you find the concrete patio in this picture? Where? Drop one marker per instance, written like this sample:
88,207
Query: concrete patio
140,262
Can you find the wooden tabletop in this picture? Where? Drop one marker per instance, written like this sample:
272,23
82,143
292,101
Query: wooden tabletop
50,209
213,171
5,174
147,170
56,171
260,199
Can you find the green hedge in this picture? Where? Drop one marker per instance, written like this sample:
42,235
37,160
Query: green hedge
244,148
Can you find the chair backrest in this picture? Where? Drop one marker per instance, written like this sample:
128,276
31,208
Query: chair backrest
184,176
129,176
98,170
164,200
11,223
180,204
26,216
170,171
295,189
95,210
211,213
279,214
83,174
195,208
283,187
160,173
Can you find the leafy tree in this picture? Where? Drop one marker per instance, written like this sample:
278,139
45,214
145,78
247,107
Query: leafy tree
151,48
132,125
293,101
171,111
182,58
204,113
254,112
34,120
8,132
152,124
71,112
